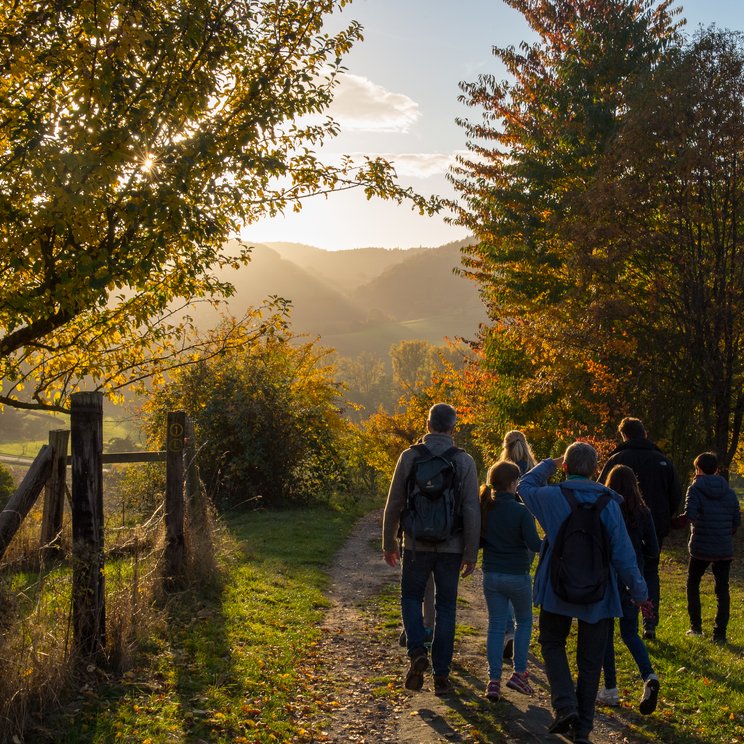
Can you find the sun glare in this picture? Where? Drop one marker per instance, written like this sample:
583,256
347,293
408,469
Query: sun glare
148,163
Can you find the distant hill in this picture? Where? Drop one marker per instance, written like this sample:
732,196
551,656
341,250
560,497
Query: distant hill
317,307
363,299
422,285
349,268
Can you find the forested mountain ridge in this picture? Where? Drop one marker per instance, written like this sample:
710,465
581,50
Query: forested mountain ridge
361,299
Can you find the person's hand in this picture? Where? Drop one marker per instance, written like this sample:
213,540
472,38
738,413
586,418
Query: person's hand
391,557
467,569
647,609
558,462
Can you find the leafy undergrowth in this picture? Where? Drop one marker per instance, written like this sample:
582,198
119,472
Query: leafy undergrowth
224,663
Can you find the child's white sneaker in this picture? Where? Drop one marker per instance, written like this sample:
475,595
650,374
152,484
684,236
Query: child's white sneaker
609,696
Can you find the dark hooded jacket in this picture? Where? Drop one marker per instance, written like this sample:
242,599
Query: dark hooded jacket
656,477
713,509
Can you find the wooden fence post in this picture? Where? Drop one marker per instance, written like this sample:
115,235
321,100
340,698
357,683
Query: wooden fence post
54,495
197,510
88,595
24,496
174,482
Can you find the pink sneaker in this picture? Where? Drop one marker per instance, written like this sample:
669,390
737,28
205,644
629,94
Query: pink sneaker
519,682
493,691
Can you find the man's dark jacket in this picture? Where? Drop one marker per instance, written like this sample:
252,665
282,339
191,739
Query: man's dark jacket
656,478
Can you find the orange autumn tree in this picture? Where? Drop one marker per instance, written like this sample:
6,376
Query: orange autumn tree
538,140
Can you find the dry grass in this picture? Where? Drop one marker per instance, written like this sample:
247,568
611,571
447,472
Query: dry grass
36,645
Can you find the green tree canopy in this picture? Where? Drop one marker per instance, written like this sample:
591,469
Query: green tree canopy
136,136
665,214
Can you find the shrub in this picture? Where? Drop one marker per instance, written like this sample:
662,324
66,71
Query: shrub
267,423
7,485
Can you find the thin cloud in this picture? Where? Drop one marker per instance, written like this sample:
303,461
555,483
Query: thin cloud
408,164
360,104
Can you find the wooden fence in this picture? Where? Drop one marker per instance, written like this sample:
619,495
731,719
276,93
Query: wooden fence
48,473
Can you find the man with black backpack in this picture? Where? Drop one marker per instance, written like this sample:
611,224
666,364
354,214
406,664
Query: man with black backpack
585,553
433,500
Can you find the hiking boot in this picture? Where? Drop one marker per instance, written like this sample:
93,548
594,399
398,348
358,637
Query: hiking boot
695,632
650,695
609,696
508,653
493,690
442,685
519,682
416,669
719,635
564,719
649,633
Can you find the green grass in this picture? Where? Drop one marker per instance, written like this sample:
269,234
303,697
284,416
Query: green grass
225,664
702,695
702,685
113,428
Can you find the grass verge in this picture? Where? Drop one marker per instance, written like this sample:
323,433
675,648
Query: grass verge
224,662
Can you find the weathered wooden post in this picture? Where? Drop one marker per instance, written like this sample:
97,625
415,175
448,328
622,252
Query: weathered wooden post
197,510
54,495
88,595
174,482
24,496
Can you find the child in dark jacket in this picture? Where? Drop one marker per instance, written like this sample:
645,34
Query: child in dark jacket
640,526
508,538
713,510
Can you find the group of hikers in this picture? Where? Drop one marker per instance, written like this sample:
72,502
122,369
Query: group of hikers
598,559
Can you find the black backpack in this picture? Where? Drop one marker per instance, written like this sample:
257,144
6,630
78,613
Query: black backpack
580,563
432,512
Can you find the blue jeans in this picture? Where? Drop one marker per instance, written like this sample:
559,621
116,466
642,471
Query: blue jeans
590,646
415,571
502,591
635,644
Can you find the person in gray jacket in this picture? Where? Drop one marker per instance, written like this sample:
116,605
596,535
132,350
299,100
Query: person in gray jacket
713,510
446,561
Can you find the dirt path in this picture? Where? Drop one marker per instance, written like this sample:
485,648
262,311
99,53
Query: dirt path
359,684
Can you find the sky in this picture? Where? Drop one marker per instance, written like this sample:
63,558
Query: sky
398,99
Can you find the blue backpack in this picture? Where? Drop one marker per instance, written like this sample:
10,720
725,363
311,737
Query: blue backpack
432,512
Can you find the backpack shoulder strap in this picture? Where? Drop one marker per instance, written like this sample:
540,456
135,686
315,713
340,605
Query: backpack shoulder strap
603,500
421,450
569,495
450,453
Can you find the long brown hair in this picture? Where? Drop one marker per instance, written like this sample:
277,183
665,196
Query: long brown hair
622,480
